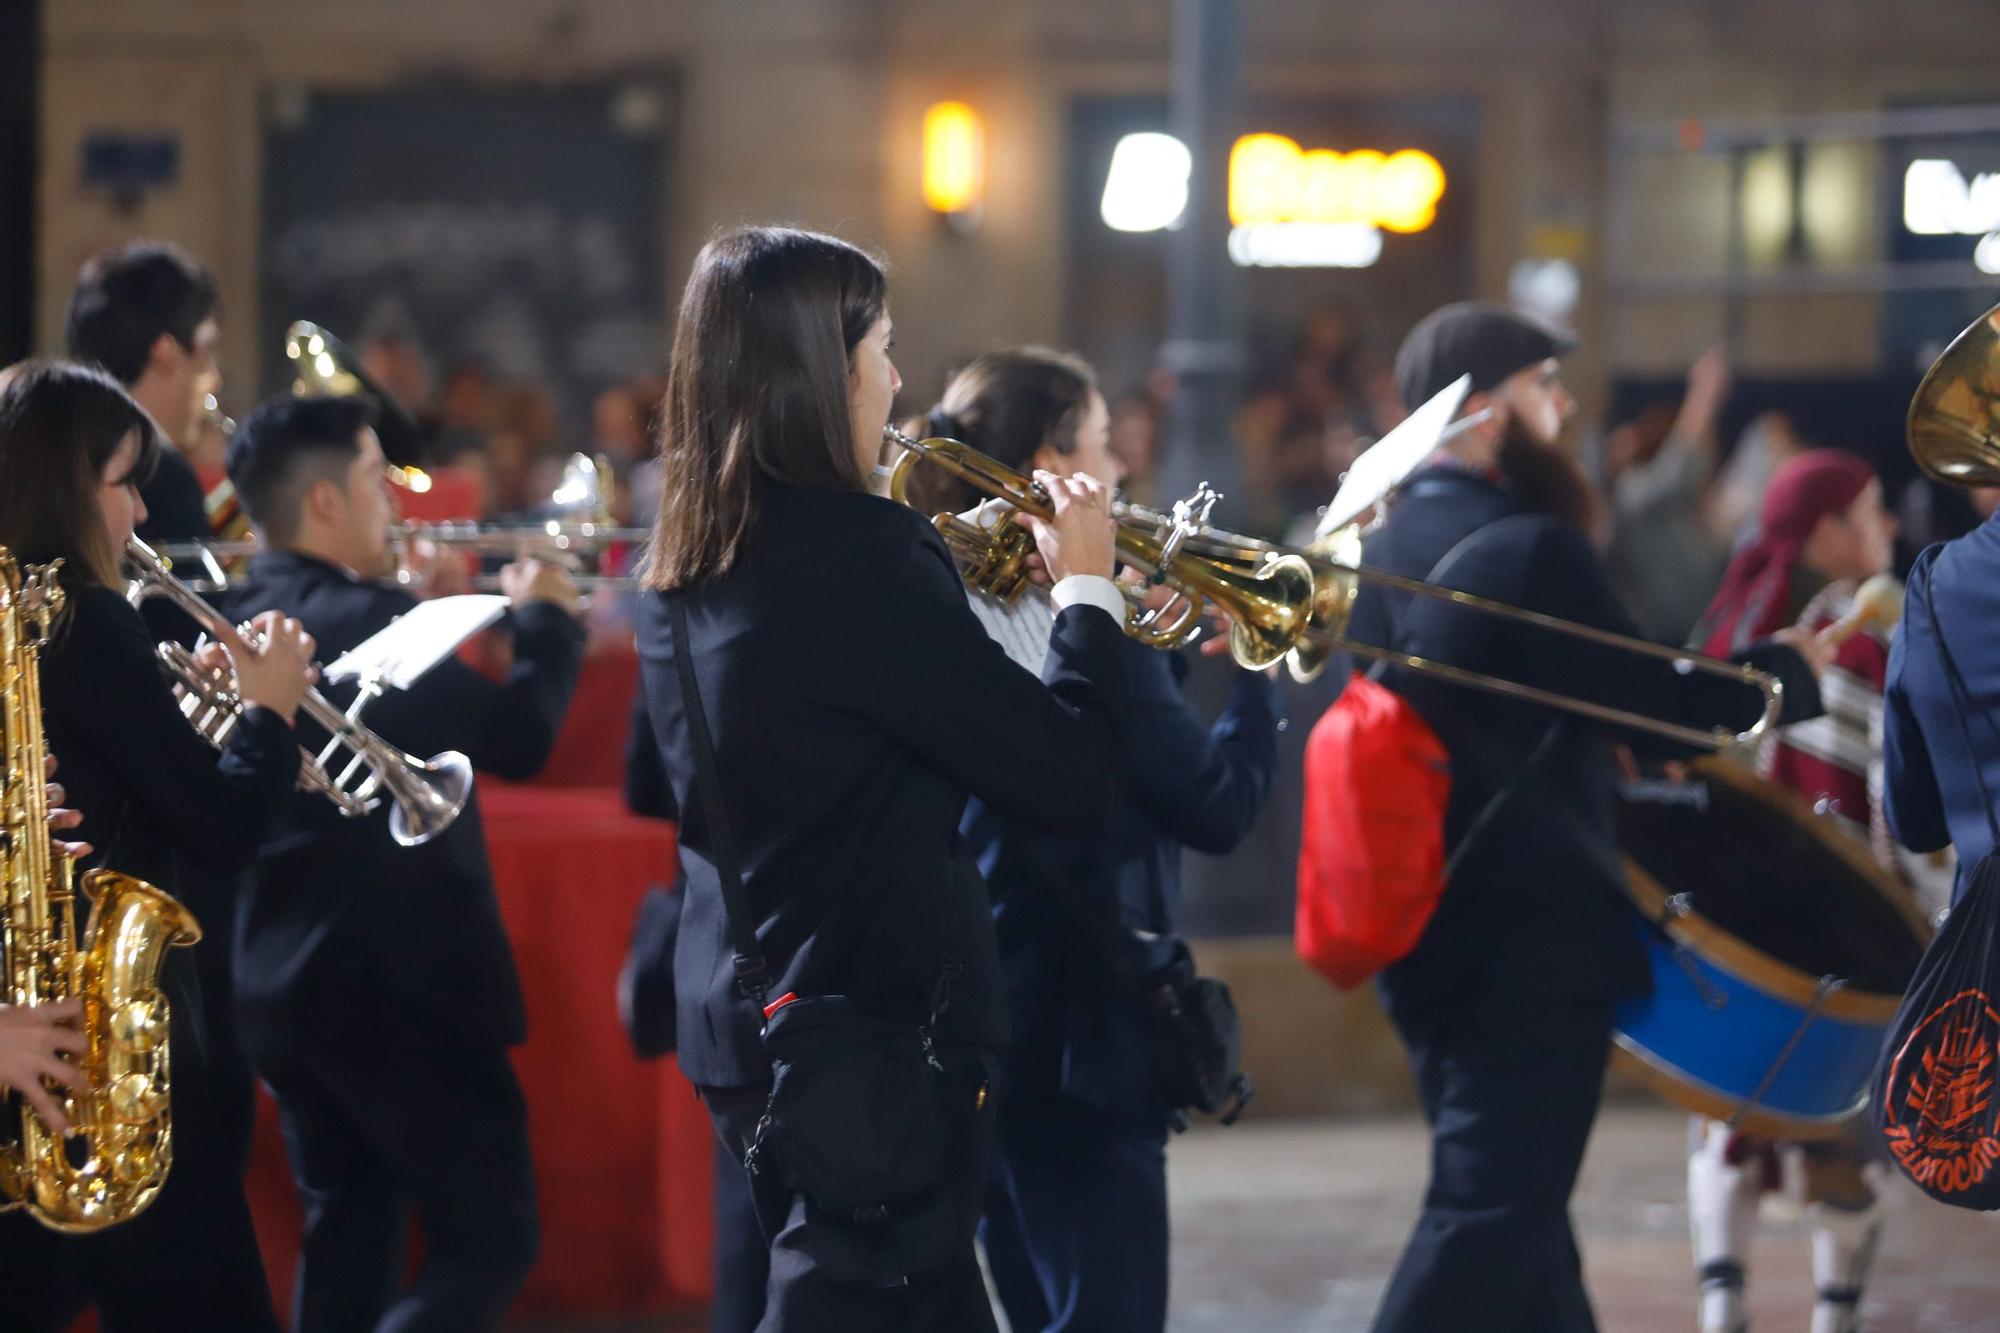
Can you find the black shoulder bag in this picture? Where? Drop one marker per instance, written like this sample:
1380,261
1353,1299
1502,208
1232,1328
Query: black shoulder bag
852,1122
1194,1041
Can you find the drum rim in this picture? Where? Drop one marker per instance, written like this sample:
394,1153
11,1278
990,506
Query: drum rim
1745,961
1670,1082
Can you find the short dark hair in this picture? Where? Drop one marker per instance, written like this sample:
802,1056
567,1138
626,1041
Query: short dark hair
757,389
287,446
126,298
60,424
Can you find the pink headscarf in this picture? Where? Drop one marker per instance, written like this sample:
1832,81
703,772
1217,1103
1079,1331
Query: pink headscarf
1755,590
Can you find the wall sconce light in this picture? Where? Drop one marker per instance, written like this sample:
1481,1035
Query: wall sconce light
955,163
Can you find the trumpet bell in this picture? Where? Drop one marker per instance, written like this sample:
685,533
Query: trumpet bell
1270,611
1954,420
1333,601
429,795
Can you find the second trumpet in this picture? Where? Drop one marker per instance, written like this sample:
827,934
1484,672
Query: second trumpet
427,794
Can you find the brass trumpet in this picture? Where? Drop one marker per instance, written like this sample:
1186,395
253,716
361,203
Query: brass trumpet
1267,606
427,793
1281,603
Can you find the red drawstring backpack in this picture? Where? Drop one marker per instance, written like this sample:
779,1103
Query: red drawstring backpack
1371,849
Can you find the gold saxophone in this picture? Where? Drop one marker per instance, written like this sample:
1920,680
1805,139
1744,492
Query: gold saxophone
120,1146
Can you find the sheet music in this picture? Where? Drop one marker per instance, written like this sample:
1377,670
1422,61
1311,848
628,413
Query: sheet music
1384,464
1022,629
399,655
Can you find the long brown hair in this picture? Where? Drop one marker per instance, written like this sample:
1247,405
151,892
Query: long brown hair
757,390
1006,404
60,424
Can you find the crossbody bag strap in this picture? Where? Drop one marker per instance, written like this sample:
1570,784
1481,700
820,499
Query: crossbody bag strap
1961,702
753,975
1525,771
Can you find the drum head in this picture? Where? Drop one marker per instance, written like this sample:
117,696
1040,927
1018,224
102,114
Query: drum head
1754,861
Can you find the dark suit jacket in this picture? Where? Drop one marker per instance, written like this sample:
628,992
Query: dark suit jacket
1537,902
855,702
176,506
158,801
347,937
1064,908
1931,790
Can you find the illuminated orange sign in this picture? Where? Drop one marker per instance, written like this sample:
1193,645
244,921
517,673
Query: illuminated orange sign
1272,179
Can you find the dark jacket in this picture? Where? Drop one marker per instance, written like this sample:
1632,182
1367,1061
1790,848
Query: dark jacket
158,801
1064,909
347,937
1537,902
1930,775
176,506
854,702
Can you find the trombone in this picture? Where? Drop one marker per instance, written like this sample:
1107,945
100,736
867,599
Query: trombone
1280,603
427,793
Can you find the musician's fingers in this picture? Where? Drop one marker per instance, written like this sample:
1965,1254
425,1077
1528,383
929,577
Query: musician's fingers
46,1106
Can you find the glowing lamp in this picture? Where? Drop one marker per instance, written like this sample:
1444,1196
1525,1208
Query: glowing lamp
954,158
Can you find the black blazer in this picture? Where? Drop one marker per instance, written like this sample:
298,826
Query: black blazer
1538,899
345,936
1064,908
158,801
855,702
176,506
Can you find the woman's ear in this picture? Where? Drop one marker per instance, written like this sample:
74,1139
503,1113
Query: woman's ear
1049,459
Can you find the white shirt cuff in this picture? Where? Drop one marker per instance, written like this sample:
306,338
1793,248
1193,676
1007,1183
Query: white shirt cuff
1090,590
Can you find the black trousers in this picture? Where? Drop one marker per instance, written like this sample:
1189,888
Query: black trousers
742,1255
230,1077
949,1298
190,1261
1510,1084
371,1135
1078,1196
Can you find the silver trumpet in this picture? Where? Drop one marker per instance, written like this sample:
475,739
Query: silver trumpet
427,793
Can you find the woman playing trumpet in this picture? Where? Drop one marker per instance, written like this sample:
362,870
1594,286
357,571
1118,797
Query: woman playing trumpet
848,731
155,797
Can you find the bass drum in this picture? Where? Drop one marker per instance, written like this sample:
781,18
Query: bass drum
1779,949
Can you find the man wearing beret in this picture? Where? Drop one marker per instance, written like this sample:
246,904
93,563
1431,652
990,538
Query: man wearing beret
1506,1001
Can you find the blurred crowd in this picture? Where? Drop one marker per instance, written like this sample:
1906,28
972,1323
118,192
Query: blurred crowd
1674,498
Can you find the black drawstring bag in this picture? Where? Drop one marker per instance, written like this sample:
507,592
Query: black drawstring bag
1932,1102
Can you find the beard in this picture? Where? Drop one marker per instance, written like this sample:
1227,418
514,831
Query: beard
1546,478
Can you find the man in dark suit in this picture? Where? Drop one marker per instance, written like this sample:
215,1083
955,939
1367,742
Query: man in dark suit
375,986
147,313
1506,1002
1079,1195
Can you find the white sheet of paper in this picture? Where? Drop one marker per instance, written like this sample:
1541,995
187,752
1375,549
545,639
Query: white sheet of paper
1383,466
414,642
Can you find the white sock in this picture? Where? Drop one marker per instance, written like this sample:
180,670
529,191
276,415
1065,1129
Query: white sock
1722,1214
1843,1250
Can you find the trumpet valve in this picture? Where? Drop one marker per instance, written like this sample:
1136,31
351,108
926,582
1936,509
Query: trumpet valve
993,560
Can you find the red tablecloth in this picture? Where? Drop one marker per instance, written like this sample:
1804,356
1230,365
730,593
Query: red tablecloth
623,1150
590,749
